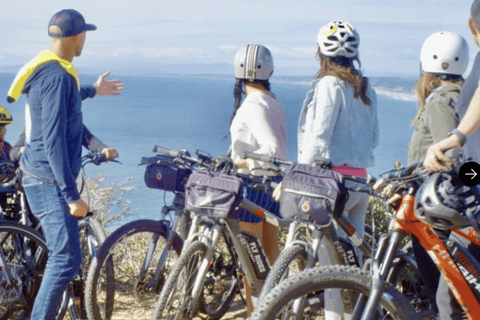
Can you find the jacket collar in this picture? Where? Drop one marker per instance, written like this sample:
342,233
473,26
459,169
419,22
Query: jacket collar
16,89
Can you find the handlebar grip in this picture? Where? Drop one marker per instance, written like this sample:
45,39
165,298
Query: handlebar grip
452,153
165,151
99,159
256,156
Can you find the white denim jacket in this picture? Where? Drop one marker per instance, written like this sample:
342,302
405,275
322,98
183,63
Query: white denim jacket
336,126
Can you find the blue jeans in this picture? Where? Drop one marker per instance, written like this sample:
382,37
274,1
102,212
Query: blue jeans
61,233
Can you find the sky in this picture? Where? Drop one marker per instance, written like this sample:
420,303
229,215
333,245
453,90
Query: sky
186,36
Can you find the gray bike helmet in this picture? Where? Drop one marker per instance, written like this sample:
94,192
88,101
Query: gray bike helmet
255,62
444,202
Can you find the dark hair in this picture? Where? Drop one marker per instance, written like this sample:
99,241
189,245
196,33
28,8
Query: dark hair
238,90
344,69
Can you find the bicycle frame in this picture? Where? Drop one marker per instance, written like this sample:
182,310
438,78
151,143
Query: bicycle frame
178,208
239,246
406,222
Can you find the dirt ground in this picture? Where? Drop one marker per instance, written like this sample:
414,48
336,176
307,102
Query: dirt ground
237,311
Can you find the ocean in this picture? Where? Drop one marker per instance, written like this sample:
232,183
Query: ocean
192,112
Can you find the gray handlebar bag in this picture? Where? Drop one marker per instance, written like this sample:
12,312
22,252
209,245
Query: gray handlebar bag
213,194
313,195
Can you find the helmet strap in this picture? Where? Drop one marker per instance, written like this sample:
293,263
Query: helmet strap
445,76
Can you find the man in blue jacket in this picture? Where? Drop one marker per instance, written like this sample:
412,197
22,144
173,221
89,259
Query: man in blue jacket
51,160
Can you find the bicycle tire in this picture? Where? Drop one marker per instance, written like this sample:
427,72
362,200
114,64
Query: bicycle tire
219,286
295,256
186,270
92,236
312,282
406,277
112,280
221,283
30,267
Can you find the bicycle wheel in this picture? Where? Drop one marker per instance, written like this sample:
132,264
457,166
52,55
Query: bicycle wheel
127,270
291,260
175,301
220,285
405,276
311,284
221,282
92,236
25,254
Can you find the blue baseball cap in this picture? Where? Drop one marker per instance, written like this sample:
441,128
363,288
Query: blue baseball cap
70,23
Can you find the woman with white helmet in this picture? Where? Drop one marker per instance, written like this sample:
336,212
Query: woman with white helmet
339,122
443,60
257,125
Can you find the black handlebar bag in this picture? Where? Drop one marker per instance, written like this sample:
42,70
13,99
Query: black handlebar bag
164,174
213,194
313,195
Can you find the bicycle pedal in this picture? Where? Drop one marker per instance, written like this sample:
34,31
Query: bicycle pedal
203,315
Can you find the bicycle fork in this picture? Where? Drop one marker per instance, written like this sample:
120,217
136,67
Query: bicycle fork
203,269
365,307
155,281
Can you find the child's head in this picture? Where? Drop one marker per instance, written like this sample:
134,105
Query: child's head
5,119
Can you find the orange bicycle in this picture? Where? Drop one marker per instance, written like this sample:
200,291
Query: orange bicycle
429,201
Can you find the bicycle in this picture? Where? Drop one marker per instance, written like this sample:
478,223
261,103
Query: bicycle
15,209
374,297
217,254
23,255
304,238
134,261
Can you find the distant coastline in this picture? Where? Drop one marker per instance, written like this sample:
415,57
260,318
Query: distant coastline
396,87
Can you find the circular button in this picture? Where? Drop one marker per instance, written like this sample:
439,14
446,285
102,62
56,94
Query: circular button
470,173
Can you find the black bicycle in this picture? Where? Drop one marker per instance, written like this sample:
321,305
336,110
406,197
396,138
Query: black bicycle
21,237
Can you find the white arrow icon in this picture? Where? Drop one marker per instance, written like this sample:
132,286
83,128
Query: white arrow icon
474,174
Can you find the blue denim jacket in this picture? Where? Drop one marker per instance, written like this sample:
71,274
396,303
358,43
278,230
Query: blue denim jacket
335,125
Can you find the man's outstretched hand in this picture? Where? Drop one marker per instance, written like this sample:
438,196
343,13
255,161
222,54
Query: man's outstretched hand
108,87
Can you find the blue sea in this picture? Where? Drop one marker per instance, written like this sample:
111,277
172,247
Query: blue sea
193,112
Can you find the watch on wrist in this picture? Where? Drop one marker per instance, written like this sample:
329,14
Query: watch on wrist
460,135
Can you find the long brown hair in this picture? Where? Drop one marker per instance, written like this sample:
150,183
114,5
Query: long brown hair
427,83
344,69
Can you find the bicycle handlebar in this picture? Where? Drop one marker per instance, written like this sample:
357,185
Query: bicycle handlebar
168,152
96,158
264,158
182,157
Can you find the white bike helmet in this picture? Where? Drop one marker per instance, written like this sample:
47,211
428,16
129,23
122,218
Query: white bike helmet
255,62
445,53
442,201
338,39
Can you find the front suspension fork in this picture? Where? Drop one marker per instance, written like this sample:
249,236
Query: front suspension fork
365,307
